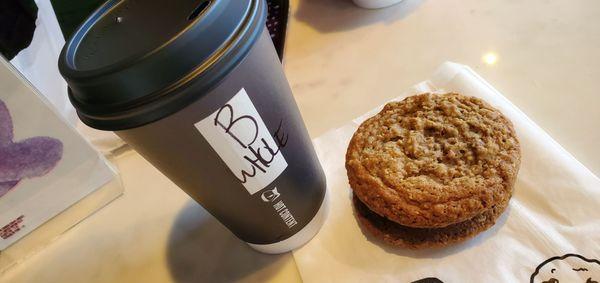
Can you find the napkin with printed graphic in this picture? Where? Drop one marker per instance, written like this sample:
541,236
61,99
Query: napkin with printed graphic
549,233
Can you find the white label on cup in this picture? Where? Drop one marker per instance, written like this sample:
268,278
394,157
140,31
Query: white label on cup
238,134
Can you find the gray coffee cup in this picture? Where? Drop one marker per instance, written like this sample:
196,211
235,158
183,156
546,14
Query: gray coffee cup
197,89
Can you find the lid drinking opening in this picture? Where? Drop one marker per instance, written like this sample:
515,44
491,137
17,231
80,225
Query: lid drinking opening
199,9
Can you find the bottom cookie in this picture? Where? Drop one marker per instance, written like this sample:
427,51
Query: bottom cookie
420,238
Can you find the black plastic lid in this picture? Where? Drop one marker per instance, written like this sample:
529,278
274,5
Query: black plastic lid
126,64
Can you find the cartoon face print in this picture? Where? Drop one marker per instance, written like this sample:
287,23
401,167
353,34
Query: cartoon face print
571,268
32,157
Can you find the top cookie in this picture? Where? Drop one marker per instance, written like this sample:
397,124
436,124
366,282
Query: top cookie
433,160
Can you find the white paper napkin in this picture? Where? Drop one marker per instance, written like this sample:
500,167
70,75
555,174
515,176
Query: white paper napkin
554,212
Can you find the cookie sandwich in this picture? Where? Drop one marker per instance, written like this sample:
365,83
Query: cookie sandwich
432,169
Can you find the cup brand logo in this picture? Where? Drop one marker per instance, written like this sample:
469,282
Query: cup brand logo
238,134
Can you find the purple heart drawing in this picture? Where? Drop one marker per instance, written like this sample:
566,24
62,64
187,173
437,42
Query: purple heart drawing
32,157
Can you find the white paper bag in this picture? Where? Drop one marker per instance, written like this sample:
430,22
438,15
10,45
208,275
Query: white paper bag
45,166
551,228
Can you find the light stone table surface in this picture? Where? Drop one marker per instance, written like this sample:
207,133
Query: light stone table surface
342,61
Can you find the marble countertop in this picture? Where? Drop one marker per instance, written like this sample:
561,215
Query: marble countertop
342,61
